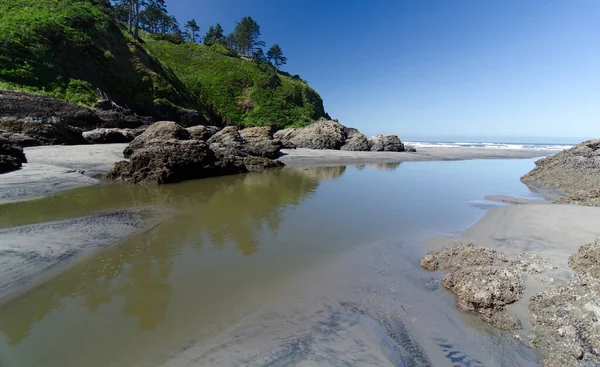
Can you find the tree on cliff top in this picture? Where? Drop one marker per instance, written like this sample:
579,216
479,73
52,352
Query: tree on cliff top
275,55
247,36
192,29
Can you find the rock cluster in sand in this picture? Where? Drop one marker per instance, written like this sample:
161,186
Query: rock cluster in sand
167,153
484,280
330,134
574,172
565,317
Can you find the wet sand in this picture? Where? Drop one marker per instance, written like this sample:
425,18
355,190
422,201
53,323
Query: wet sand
549,230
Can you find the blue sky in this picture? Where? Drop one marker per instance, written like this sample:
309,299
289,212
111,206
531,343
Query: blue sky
436,68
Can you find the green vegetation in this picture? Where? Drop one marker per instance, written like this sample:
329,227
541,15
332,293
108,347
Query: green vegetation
72,49
240,91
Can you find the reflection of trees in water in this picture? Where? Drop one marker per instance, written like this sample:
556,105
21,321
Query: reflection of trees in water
386,166
228,210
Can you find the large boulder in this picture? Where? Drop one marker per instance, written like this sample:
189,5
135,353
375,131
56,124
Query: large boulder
227,143
258,141
47,131
162,161
202,132
355,141
9,163
162,130
285,136
11,156
386,143
324,134
109,136
575,173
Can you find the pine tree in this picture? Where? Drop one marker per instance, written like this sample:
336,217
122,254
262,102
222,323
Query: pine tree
247,33
191,30
275,55
214,35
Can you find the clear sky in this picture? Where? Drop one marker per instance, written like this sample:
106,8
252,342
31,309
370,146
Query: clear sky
436,68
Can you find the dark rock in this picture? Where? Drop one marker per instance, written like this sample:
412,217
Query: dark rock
386,143
574,172
258,141
121,119
324,134
411,149
9,163
9,149
202,132
48,131
355,141
160,130
162,161
21,140
109,136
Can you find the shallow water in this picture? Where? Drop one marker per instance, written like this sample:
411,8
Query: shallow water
299,266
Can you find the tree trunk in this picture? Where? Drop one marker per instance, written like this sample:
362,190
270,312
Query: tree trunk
136,20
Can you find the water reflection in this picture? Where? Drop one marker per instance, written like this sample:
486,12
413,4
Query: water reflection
136,272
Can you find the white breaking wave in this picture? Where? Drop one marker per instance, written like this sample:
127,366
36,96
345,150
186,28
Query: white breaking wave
472,145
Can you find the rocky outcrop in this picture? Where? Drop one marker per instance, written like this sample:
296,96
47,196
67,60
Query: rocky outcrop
324,134
202,132
386,143
162,161
167,153
11,156
565,323
258,141
484,280
109,136
587,260
574,172
24,106
46,131
162,130
227,142
355,141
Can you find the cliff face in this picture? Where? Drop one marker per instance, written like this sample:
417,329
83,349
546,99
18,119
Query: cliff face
574,172
71,49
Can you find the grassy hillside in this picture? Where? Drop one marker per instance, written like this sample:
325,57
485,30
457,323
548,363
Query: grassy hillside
69,48
240,91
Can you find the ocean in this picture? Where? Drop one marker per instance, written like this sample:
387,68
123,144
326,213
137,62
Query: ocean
553,147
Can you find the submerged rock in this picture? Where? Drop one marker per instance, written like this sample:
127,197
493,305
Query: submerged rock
574,172
109,136
355,141
386,143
